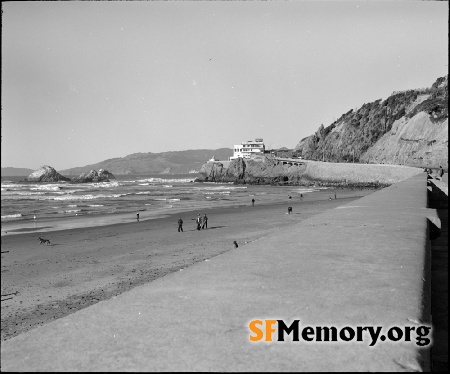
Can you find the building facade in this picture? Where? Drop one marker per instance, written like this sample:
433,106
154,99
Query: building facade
248,149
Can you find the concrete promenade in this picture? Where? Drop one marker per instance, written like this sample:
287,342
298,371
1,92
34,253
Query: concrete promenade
362,264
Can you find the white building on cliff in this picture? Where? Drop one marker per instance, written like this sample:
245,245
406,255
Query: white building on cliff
249,149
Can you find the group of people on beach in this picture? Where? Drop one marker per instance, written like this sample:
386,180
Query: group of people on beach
202,223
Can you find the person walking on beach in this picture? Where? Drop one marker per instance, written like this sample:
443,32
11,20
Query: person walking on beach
205,222
180,225
301,196
335,196
137,217
199,222
441,172
253,202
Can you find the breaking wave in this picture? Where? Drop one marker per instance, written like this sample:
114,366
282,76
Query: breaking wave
12,216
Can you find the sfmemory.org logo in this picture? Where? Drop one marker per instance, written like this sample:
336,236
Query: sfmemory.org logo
269,330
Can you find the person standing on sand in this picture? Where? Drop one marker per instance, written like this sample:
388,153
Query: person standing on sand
180,225
335,196
205,222
199,222
253,202
137,217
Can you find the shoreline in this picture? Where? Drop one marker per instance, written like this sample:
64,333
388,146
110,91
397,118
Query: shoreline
86,265
49,224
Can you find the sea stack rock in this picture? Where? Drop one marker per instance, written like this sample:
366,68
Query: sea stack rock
105,175
93,176
46,174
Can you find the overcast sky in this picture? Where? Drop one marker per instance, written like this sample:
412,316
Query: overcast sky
86,81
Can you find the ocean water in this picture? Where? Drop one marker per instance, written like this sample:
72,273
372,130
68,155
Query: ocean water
148,195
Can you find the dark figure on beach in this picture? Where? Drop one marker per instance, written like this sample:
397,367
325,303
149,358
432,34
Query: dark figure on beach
253,202
289,210
301,196
199,222
137,216
441,172
180,225
235,244
335,196
290,197
205,222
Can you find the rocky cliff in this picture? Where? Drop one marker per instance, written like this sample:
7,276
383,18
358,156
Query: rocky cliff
265,170
409,127
46,174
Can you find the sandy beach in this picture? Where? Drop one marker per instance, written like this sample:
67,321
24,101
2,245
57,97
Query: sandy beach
83,266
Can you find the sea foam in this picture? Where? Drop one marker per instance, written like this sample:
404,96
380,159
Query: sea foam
12,216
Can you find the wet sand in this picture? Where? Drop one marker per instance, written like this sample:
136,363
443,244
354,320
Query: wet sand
83,266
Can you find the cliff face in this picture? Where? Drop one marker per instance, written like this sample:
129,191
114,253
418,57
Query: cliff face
408,127
416,141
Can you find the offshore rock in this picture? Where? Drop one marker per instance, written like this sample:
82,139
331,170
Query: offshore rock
46,174
94,177
105,174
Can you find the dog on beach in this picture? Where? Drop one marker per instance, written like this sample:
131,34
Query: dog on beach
44,241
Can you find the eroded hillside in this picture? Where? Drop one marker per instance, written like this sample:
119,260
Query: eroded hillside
409,127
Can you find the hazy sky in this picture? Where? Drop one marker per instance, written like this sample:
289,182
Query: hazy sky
86,81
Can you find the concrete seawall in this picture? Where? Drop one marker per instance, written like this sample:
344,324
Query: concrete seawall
363,264
384,174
